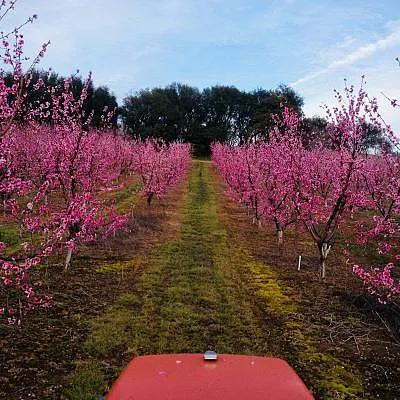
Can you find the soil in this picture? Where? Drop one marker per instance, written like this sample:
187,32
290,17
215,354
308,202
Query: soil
346,322
39,357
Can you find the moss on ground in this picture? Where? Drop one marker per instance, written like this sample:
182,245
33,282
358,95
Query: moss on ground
330,377
87,383
120,266
182,302
11,235
201,291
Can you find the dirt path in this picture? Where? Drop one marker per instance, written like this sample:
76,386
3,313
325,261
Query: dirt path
184,300
192,275
202,290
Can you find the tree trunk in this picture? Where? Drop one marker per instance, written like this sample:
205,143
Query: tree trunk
280,236
279,231
149,199
68,259
257,220
324,249
5,197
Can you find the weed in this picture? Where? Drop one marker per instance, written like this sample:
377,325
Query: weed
88,383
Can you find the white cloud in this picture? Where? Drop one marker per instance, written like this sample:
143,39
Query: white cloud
381,81
391,40
347,42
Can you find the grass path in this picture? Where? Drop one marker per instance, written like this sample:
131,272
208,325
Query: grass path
202,290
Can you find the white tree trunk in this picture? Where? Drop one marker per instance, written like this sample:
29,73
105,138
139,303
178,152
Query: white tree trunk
323,268
280,236
68,259
325,248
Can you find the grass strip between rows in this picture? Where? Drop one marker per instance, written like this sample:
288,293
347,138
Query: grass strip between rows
202,291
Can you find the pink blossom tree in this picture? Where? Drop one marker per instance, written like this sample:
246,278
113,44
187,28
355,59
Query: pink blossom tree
239,167
14,282
82,167
65,160
326,177
259,175
381,179
280,158
160,166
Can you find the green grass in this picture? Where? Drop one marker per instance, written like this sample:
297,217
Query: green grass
204,291
11,235
202,158
126,198
88,383
183,301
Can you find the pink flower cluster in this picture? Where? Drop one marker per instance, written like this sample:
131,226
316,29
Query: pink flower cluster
61,171
53,174
380,282
321,188
160,166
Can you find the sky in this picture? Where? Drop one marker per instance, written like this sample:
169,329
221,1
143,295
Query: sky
311,45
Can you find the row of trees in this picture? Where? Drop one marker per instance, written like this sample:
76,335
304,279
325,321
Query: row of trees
55,167
160,166
325,187
220,113
57,176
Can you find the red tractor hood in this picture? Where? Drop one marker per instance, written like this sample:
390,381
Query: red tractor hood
190,377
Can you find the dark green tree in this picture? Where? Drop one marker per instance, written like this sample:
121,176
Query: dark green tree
268,102
153,113
97,98
314,132
103,102
218,113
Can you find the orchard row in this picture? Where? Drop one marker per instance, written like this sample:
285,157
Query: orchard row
325,189
54,181
55,170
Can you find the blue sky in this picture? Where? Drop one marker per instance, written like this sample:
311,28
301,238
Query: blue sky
309,44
